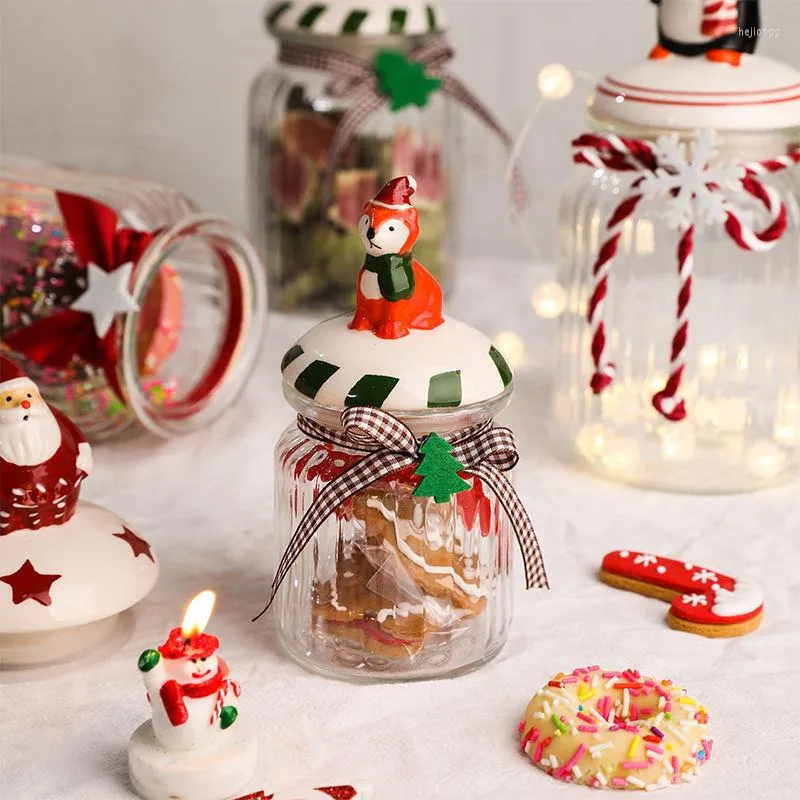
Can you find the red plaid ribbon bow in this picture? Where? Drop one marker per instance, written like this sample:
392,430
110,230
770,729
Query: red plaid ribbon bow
390,446
354,78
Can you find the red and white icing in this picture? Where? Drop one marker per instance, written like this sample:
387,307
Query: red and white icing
703,595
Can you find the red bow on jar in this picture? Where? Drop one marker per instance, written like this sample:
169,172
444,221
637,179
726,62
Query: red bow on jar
87,329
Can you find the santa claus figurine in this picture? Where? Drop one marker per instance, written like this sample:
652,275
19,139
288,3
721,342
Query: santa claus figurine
719,29
43,456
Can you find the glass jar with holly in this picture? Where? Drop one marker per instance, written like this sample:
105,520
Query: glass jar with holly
680,229
394,506
361,92
125,305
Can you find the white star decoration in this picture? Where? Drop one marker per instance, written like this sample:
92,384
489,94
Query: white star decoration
686,178
645,560
695,600
704,576
106,296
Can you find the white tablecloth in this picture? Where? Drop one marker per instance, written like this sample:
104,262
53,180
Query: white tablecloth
205,503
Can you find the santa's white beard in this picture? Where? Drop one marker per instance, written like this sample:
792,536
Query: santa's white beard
28,436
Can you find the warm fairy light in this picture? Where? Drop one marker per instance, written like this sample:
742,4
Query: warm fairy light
590,440
621,454
708,360
511,346
678,443
787,426
765,459
198,613
549,300
555,82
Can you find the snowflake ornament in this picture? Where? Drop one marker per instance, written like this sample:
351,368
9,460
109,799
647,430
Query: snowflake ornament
704,576
690,182
695,600
645,560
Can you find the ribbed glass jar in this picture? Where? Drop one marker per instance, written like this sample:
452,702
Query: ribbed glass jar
311,248
392,587
741,383
182,358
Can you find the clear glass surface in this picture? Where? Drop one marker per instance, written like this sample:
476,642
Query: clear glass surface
312,249
742,378
393,587
200,288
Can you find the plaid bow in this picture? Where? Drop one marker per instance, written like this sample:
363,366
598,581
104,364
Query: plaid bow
354,78
389,446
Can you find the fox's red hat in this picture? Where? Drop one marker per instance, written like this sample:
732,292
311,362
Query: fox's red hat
11,376
397,193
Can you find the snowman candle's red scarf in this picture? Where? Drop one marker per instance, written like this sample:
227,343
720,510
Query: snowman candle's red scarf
173,693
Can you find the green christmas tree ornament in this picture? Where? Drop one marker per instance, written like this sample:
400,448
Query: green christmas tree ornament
438,470
403,81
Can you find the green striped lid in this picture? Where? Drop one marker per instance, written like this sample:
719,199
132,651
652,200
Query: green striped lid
450,366
355,17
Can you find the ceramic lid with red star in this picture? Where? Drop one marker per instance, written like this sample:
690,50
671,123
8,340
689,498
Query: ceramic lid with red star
64,563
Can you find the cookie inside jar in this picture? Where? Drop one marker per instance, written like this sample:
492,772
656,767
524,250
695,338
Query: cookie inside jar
408,581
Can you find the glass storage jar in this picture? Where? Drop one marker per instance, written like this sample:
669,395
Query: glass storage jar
184,337
731,353
394,548
393,586
304,205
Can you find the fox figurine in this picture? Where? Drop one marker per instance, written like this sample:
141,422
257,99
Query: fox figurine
395,292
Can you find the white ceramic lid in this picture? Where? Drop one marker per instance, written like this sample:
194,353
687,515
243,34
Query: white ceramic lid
89,568
688,93
450,366
354,18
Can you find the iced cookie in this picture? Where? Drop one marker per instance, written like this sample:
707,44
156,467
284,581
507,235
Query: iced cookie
616,730
703,601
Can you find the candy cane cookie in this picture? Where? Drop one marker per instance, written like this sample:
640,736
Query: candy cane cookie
616,730
703,601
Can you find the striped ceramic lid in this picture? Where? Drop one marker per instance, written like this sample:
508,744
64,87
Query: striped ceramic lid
355,17
450,366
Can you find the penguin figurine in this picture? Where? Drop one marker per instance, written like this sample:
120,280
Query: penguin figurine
395,292
719,29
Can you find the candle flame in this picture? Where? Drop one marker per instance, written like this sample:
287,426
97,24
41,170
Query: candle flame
198,613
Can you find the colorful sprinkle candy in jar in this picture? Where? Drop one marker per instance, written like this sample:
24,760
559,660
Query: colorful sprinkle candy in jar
395,510
124,304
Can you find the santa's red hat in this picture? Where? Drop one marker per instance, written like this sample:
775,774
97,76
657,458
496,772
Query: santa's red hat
397,193
12,377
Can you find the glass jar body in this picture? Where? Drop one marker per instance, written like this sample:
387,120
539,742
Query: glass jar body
313,253
393,586
741,382
197,284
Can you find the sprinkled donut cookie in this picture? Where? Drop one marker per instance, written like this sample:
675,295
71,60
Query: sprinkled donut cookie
615,730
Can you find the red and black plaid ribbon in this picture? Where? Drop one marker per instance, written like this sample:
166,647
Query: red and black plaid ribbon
389,446
354,78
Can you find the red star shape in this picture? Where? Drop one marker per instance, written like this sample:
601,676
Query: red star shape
139,546
28,584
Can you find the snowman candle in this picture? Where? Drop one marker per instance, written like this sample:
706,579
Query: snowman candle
191,749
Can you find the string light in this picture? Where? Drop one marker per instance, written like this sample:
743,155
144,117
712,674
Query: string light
555,82
765,459
678,444
590,441
549,300
621,454
511,346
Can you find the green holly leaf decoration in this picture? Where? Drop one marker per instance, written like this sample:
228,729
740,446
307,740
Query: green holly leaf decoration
403,81
148,659
438,470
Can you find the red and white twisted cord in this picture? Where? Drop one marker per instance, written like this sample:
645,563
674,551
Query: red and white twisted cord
632,155
219,702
